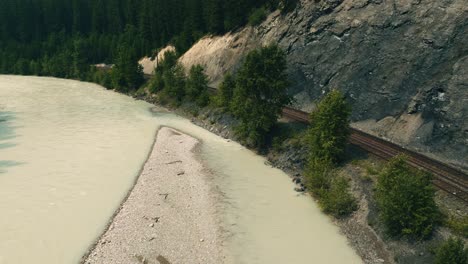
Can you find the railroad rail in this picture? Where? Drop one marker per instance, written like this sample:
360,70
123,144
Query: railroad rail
446,178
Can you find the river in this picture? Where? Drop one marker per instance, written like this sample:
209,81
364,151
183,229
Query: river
70,152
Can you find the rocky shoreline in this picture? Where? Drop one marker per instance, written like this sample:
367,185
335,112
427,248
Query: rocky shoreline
360,235
368,239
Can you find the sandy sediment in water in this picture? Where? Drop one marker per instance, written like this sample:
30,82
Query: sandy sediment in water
169,216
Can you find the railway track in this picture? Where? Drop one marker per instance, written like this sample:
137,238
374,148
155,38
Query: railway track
446,177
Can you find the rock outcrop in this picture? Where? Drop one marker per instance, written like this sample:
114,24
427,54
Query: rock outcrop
403,64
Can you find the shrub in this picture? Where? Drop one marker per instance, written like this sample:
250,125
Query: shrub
338,201
405,197
452,251
318,175
257,16
458,224
331,190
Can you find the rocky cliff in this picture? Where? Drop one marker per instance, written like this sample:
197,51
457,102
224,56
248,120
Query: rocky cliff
403,64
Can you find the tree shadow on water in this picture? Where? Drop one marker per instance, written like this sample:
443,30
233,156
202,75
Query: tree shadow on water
7,134
5,164
7,130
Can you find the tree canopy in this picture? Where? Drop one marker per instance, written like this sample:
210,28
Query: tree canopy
47,37
260,93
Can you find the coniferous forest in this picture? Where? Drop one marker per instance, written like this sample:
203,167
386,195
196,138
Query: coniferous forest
62,38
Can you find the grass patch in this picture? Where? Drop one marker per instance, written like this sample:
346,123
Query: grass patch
283,134
369,170
459,225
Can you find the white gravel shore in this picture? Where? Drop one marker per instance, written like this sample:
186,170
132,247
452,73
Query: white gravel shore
169,216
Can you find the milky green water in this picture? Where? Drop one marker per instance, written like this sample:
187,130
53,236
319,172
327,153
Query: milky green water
70,151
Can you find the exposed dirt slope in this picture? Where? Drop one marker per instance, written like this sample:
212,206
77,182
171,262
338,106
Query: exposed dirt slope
149,64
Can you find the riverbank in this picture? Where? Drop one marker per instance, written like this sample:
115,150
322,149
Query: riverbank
291,160
363,229
169,215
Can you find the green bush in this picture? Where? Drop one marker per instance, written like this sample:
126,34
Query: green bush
257,16
452,251
405,197
338,201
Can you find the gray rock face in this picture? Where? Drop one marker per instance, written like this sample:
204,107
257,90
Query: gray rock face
400,59
403,64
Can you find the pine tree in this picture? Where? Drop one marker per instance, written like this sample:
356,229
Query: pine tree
174,83
197,86
329,130
214,16
80,64
28,26
226,91
260,93
127,74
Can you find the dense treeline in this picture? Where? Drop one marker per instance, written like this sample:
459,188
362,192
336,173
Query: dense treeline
60,38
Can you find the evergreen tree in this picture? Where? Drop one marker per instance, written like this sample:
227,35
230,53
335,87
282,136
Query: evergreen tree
260,93
235,13
45,31
174,83
80,63
168,61
197,86
214,16
226,91
329,130
114,21
127,74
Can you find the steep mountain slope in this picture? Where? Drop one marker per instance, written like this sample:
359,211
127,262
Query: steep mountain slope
403,64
